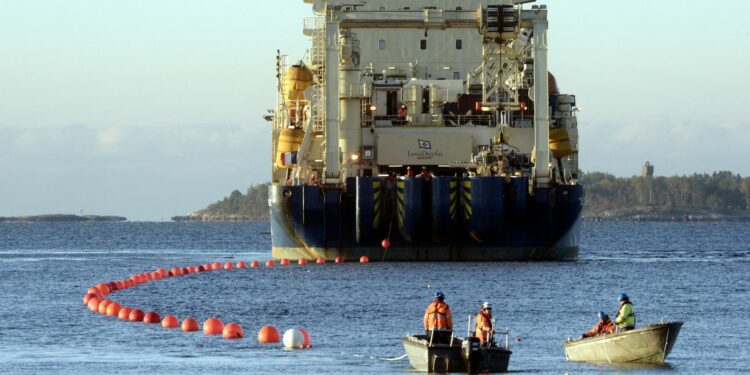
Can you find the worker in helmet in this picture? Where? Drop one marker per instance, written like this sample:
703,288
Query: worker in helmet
484,331
438,316
602,327
625,319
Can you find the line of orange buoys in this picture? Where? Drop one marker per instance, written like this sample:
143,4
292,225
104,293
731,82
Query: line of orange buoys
95,300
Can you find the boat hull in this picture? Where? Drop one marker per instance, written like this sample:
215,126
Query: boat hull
651,344
447,358
437,220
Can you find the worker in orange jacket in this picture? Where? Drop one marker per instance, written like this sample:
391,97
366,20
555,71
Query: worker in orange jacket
604,326
438,315
484,329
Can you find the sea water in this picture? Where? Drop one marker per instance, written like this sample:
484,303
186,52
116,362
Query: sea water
357,313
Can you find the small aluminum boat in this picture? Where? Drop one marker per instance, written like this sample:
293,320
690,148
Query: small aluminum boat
650,344
455,355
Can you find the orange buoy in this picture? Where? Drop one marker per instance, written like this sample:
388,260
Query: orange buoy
255,264
213,326
155,276
201,269
136,315
170,321
518,339
364,259
113,309
124,313
170,274
228,266
112,286
301,261
151,318
339,260
128,283
87,297
270,263
233,331
162,272
191,269
386,243
93,304
189,325
306,343
150,275
177,271
320,261
241,264
216,266
104,288
120,285
102,308
96,291
268,334
284,262
185,271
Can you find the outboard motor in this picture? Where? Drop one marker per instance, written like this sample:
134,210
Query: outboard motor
470,354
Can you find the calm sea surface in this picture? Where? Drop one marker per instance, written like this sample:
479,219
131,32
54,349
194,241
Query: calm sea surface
356,314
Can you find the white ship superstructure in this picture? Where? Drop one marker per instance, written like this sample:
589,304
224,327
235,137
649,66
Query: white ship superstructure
437,89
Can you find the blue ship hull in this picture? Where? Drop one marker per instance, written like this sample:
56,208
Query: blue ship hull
440,219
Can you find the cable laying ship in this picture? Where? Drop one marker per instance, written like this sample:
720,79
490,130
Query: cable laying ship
424,133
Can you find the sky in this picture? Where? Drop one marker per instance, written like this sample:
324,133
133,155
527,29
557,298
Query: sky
150,109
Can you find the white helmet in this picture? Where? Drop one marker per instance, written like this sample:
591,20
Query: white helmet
486,305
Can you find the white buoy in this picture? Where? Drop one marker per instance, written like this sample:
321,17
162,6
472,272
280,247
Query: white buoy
293,339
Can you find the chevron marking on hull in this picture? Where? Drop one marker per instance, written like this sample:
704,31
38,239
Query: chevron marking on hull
400,203
467,199
452,197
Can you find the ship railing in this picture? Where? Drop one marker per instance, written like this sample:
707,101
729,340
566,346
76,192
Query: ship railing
448,120
390,120
312,24
461,120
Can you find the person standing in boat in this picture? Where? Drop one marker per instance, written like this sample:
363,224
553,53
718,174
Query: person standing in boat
438,317
484,330
625,318
602,327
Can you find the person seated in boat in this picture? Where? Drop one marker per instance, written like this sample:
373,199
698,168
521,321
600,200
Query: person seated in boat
625,319
438,320
602,327
484,331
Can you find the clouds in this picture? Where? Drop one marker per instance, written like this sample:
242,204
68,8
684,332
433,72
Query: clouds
139,172
675,146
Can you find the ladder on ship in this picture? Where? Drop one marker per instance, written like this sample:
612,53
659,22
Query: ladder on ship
317,60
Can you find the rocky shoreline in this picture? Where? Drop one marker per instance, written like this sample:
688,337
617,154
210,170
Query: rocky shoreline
217,217
62,217
641,214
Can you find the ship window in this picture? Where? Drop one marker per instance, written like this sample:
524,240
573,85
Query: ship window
381,8
456,75
459,44
423,44
381,44
459,8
